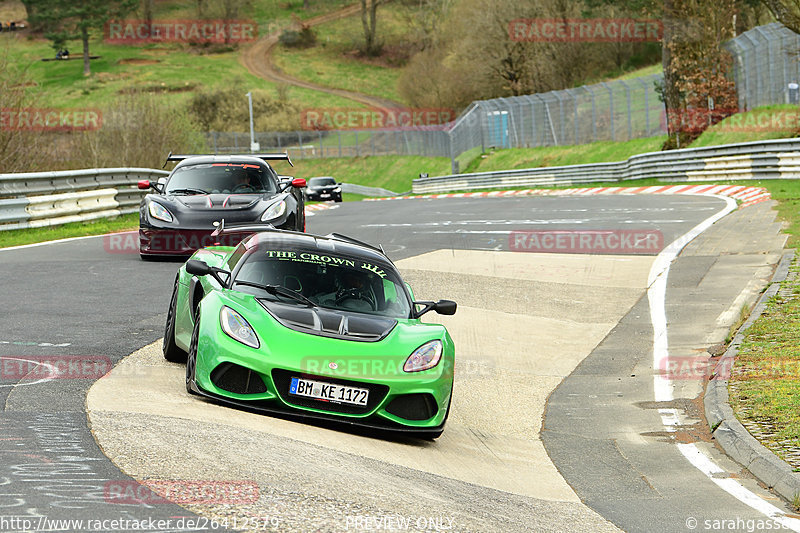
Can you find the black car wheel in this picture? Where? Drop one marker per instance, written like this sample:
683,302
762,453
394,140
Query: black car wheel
191,361
172,352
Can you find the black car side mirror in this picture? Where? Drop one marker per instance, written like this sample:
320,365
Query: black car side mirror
199,268
446,307
443,307
144,185
297,183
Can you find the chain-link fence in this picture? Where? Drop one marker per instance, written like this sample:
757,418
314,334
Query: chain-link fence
337,143
766,66
612,111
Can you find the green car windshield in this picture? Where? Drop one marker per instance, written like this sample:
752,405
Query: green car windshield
332,281
225,178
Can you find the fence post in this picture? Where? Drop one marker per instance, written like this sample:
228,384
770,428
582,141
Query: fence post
628,97
594,112
610,108
300,144
453,162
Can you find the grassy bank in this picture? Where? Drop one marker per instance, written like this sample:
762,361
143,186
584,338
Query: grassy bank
764,387
73,229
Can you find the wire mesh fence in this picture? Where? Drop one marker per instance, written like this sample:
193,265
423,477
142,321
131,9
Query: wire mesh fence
336,143
612,111
766,66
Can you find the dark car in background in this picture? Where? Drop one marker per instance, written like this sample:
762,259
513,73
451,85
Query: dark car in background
178,217
324,188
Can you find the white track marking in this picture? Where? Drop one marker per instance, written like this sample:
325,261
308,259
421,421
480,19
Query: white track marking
662,386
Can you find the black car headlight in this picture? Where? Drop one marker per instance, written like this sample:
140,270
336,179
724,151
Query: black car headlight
274,211
160,212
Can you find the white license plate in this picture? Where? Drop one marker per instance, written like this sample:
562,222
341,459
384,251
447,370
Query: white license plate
324,195
329,392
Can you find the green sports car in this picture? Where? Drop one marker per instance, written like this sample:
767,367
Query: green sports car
320,327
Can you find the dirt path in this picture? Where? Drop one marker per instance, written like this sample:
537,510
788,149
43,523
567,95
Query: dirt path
258,60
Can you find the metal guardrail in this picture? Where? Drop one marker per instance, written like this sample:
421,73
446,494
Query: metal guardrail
31,183
35,199
772,159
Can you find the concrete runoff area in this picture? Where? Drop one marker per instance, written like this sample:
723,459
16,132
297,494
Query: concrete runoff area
513,349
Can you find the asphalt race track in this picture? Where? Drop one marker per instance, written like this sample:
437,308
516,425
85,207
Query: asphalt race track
554,427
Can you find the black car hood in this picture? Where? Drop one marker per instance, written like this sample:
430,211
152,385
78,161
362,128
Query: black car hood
329,322
219,201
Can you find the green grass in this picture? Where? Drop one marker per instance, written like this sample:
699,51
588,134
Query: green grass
600,152
73,229
170,70
644,71
334,61
768,122
174,70
394,173
764,387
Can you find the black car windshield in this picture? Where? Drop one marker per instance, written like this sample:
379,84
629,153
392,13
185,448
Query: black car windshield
227,178
321,182
328,280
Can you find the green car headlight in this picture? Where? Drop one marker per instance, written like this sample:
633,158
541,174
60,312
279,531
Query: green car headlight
425,357
274,211
160,212
237,327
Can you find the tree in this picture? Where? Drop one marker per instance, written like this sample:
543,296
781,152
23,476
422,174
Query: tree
697,90
147,11
64,21
16,144
786,11
369,20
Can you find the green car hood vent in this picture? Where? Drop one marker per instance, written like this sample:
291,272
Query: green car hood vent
329,323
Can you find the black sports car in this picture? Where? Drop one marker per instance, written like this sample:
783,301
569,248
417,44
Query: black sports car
324,188
179,216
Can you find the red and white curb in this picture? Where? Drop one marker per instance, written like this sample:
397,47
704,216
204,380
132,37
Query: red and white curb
318,207
747,195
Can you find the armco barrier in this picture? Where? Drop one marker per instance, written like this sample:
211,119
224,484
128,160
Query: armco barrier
37,199
33,183
13,210
773,159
